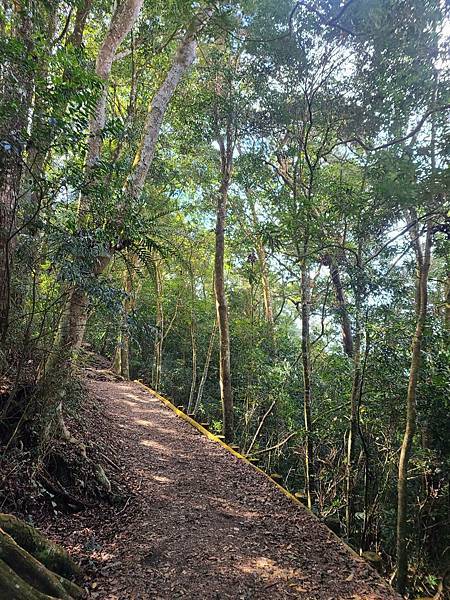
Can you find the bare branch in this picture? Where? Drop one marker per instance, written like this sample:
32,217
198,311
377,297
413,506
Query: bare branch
291,435
401,139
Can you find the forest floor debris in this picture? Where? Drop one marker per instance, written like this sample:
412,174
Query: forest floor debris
199,522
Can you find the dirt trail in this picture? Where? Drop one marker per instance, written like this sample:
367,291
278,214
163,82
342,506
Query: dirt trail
206,525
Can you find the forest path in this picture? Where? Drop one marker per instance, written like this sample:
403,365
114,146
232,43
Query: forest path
205,524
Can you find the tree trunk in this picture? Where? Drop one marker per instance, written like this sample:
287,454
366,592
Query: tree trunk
423,257
267,295
182,62
226,393
352,348
159,340
352,431
122,22
193,348
32,567
58,367
74,318
307,386
83,9
122,353
205,368
347,338
70,332
16,96
10,170
262,258
447,303
194,365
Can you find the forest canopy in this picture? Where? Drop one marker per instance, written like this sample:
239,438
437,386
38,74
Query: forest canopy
244,205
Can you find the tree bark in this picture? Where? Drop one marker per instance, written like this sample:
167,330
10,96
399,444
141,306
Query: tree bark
32,567
194,364
423,258
347,337
29,569
122,22
54,557
16,96
76,37
182,62
447,303
226,392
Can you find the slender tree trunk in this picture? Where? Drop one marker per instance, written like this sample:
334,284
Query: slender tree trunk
447,303
352,431
194,365
204,377
125,356
182,62
352,348
307,385
226,392
267,294
16,96
159,340
83,9
423,257
122,353
262,258
105,340
193,347
9,187
347,338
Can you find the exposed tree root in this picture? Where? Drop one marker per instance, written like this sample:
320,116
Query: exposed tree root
65,433
100,474
32,567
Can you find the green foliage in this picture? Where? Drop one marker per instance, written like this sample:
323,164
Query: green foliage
309,91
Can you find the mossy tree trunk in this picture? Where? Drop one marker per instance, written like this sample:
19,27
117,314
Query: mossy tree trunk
32,567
